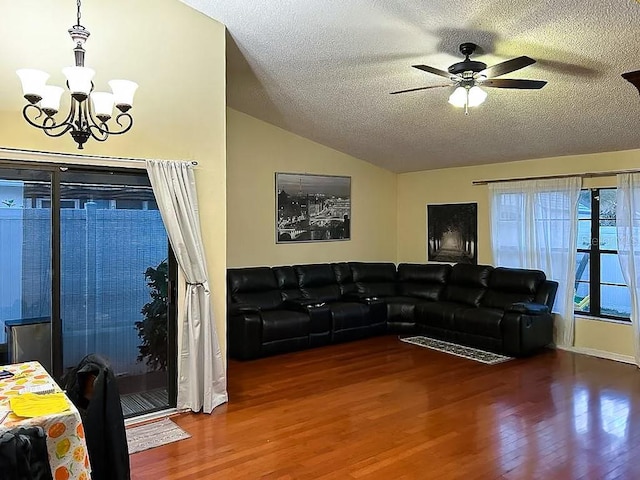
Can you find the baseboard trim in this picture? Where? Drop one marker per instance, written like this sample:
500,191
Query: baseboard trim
600,354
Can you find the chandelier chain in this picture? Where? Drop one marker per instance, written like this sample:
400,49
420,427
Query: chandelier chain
79,15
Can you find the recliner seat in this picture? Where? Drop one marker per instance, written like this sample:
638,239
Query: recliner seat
259,323
416,285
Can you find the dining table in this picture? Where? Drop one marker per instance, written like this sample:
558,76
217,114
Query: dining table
66,444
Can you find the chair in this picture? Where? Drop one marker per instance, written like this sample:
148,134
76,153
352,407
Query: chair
23,455
92,388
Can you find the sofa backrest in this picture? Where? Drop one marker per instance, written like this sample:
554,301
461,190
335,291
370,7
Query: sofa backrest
255,286
468,283
318,281
426,281
473,285
287,282
374,279
511,285
344,277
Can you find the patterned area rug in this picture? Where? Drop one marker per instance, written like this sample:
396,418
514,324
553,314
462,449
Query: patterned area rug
153,435
459,350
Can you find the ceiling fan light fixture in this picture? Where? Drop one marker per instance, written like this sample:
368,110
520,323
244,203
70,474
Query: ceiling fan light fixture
459,97
465,97
476,96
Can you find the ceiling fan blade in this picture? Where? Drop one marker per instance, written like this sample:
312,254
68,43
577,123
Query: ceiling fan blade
513,83
633,78
435,71
419,88
506,67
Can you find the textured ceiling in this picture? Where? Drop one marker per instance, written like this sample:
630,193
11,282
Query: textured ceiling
324,70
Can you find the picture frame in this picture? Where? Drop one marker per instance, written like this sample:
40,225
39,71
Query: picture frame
312,207
452,233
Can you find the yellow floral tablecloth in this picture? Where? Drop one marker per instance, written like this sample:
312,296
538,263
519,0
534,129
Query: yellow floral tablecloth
65,435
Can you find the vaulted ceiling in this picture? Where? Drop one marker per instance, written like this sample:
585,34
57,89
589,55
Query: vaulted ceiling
324,70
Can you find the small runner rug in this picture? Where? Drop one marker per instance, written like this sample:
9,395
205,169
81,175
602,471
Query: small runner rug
151,435
481,356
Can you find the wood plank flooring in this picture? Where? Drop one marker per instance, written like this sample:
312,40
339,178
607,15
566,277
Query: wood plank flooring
383,409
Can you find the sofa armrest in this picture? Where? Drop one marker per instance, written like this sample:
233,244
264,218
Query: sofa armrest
244,334
359,297
242,308
528,308
303,304
319,316
524,333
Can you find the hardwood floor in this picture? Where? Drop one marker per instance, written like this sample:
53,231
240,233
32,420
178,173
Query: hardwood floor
383,409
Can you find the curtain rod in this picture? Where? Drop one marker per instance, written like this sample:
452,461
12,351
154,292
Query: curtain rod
73,155
550,177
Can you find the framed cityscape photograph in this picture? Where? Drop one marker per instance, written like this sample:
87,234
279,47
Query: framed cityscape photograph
312,208
452,233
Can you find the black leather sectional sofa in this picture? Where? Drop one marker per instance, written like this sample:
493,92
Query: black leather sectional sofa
279,309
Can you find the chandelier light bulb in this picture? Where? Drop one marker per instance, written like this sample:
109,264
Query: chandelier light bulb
123,92
33,83
102,105
79,80
50,103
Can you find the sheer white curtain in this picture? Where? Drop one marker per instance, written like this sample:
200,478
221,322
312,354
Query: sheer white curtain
628,229
534,225
202,380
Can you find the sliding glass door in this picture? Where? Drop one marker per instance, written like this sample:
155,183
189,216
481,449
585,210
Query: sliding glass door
25,266
114,257
103,249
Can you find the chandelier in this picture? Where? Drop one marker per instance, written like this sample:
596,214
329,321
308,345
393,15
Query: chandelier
89,111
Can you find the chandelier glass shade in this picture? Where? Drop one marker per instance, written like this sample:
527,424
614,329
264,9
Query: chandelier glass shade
89,111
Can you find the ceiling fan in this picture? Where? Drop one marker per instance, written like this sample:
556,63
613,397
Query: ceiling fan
469,75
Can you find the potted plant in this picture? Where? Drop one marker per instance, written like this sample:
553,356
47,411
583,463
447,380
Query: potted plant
153,329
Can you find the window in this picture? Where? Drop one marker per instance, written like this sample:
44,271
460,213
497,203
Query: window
46,203
600,289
